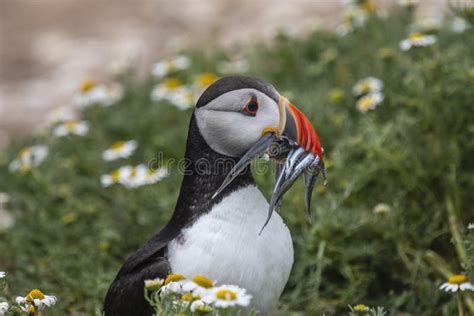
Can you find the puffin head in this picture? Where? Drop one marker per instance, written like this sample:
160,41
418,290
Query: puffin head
244,118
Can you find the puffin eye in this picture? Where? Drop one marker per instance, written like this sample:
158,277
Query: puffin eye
251,107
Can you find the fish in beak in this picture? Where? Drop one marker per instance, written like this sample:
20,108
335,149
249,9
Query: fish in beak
295,146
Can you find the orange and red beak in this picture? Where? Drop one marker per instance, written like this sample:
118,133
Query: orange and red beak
299,129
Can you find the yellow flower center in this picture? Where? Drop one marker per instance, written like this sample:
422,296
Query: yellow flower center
366,102
115,175
361,308
203,281
187,297
172,84
87,85
70,125
133,172
457,279
414,37
336,95
174,277
35,294
104,245
370,6
203,309
117,145
365,87
206,79
226,295
24,153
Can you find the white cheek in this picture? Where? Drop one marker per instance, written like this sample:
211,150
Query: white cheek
233,133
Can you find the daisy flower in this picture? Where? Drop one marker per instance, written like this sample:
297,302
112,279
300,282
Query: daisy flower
455,283
199,285
133,176
369,102
3,274
120,149
104,94
367,85
198,306
154,176
29,157
369,6
72,127
61,114
166,89
470,226
183,99
202,81
141,175
417,39
227,296
37,299
381,208
166,66
352,17
117,176
154,284
361,308
3,307
173,284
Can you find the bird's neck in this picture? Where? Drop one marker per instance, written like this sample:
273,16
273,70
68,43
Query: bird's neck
205,170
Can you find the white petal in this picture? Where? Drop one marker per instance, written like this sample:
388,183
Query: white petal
466,286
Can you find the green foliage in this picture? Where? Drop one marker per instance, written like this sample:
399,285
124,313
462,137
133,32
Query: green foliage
413,152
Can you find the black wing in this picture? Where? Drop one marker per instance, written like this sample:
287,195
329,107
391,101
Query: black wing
125,296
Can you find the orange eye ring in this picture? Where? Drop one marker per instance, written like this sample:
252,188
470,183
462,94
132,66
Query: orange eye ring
251,108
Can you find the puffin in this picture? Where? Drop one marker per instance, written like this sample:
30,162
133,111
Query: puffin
222,226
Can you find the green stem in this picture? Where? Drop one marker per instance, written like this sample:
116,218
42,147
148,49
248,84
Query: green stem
459,304
454,229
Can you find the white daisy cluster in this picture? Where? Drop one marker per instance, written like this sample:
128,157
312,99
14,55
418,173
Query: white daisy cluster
417,39
356,14
171,65
35,300
369,91
71,127
60,114
133,176
92,93
28,158
120,149
456,283
180,95
199,294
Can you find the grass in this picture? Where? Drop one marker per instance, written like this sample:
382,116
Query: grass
413,152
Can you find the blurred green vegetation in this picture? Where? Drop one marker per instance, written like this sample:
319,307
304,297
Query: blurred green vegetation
414,153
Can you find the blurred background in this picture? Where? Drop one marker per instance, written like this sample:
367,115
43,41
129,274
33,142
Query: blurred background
48,47
387,84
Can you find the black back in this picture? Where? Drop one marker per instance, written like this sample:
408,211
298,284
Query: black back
204,173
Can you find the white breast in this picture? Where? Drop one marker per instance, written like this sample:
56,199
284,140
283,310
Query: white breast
224,245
